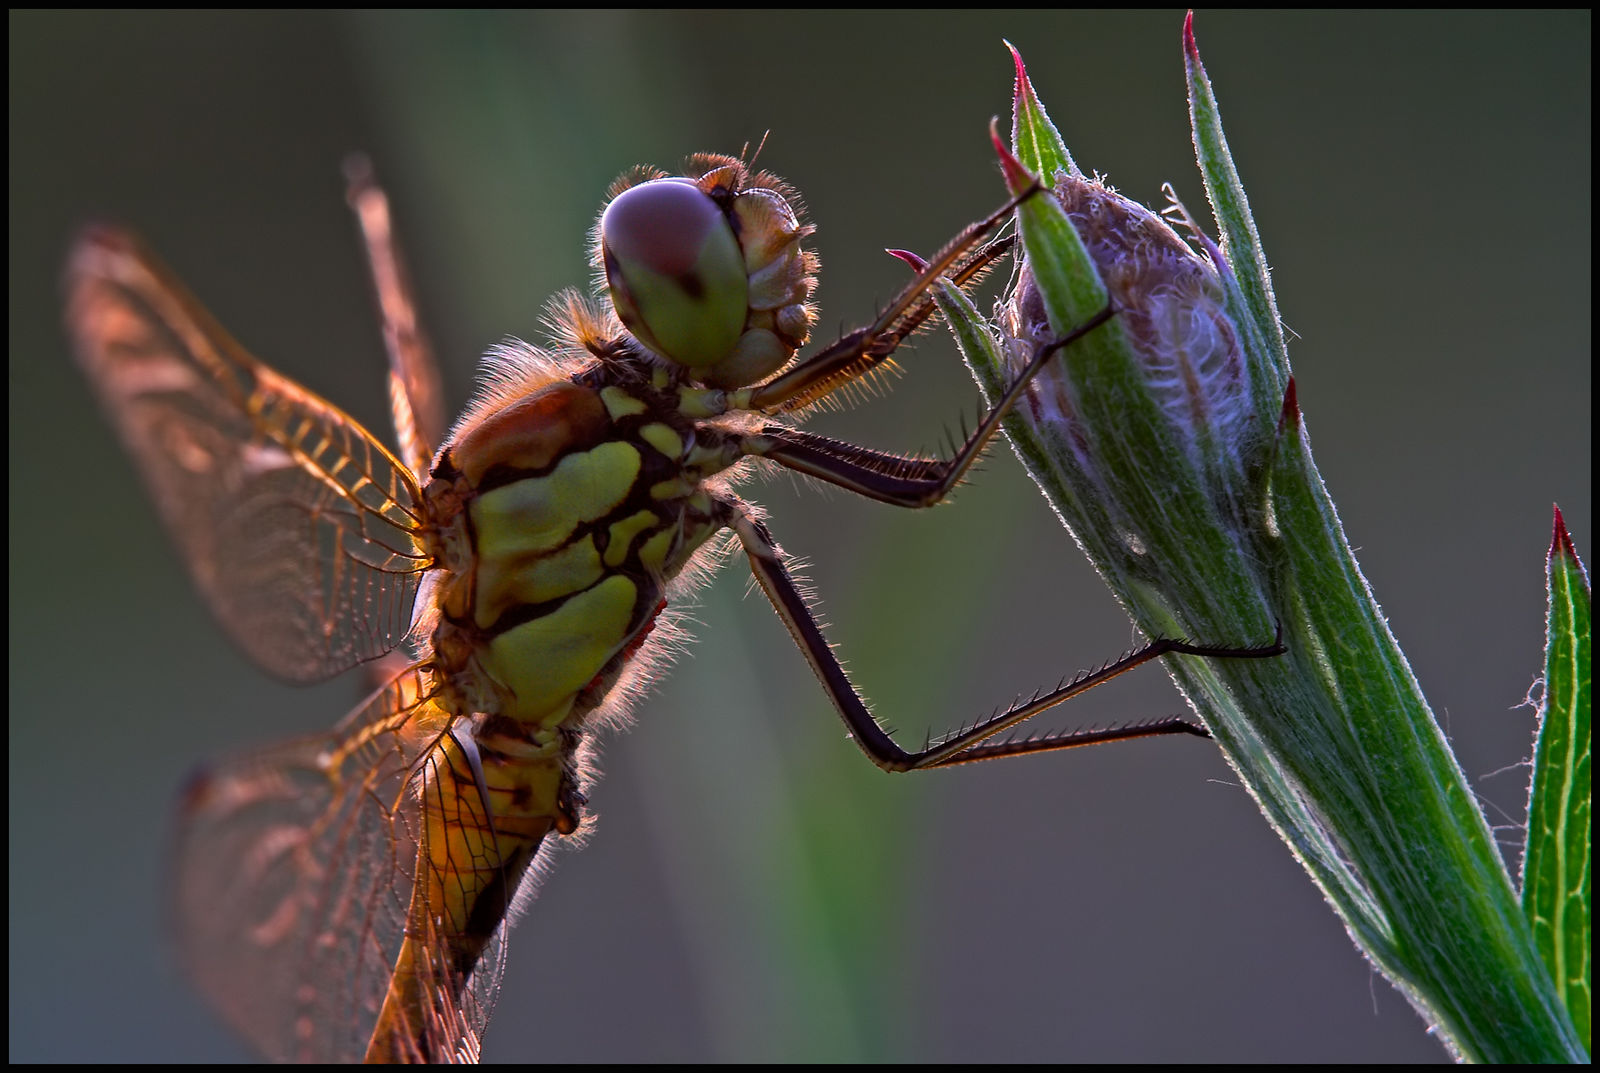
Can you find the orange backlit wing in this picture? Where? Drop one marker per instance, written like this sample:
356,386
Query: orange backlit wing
300,528
296,888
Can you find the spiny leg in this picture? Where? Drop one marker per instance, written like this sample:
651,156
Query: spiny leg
859,352
766,563
896,479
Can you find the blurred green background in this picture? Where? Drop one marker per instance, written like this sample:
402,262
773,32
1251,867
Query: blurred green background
756,890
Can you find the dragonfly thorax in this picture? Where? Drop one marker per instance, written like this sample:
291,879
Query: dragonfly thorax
582,501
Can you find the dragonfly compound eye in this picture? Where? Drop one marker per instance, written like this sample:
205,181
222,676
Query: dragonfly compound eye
676,272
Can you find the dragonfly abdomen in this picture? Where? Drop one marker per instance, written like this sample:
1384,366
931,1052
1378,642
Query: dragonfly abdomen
489,799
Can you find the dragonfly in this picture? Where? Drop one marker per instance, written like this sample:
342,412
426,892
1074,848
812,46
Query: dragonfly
511,583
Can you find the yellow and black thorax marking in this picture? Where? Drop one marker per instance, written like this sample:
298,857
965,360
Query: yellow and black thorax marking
580,502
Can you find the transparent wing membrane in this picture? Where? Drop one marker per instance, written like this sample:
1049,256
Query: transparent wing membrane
416,400
298,881
298,526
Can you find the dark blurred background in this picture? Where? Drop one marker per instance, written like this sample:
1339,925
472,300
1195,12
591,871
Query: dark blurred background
756,890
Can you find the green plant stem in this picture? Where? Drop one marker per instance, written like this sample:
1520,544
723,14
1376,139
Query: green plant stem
1218,533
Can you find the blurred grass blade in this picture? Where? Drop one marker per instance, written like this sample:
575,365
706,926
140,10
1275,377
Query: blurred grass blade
1556,866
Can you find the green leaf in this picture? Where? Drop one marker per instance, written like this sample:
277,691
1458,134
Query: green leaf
1556,867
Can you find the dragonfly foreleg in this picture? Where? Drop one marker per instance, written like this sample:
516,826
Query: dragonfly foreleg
766,563
900,480
859,352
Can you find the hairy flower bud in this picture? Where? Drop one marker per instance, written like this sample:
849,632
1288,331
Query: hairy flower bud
1170,303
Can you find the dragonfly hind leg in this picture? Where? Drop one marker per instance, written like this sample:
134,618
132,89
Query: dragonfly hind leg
766,563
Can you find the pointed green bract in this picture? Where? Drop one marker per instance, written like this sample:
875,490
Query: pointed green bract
1037,142
1241,242
1556,867
972,337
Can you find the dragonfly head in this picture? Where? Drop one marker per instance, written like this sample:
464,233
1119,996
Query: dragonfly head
708,272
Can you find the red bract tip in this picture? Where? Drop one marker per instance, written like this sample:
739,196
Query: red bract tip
917,263
1022,84
1190,49
1290,417
1017,177
1560,541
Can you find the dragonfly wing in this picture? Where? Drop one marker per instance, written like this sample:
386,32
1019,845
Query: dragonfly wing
455,1011
297,880
301,529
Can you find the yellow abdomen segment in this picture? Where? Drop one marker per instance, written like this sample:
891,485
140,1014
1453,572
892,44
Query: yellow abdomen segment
467,868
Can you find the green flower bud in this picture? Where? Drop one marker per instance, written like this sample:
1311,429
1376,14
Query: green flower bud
1171,307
